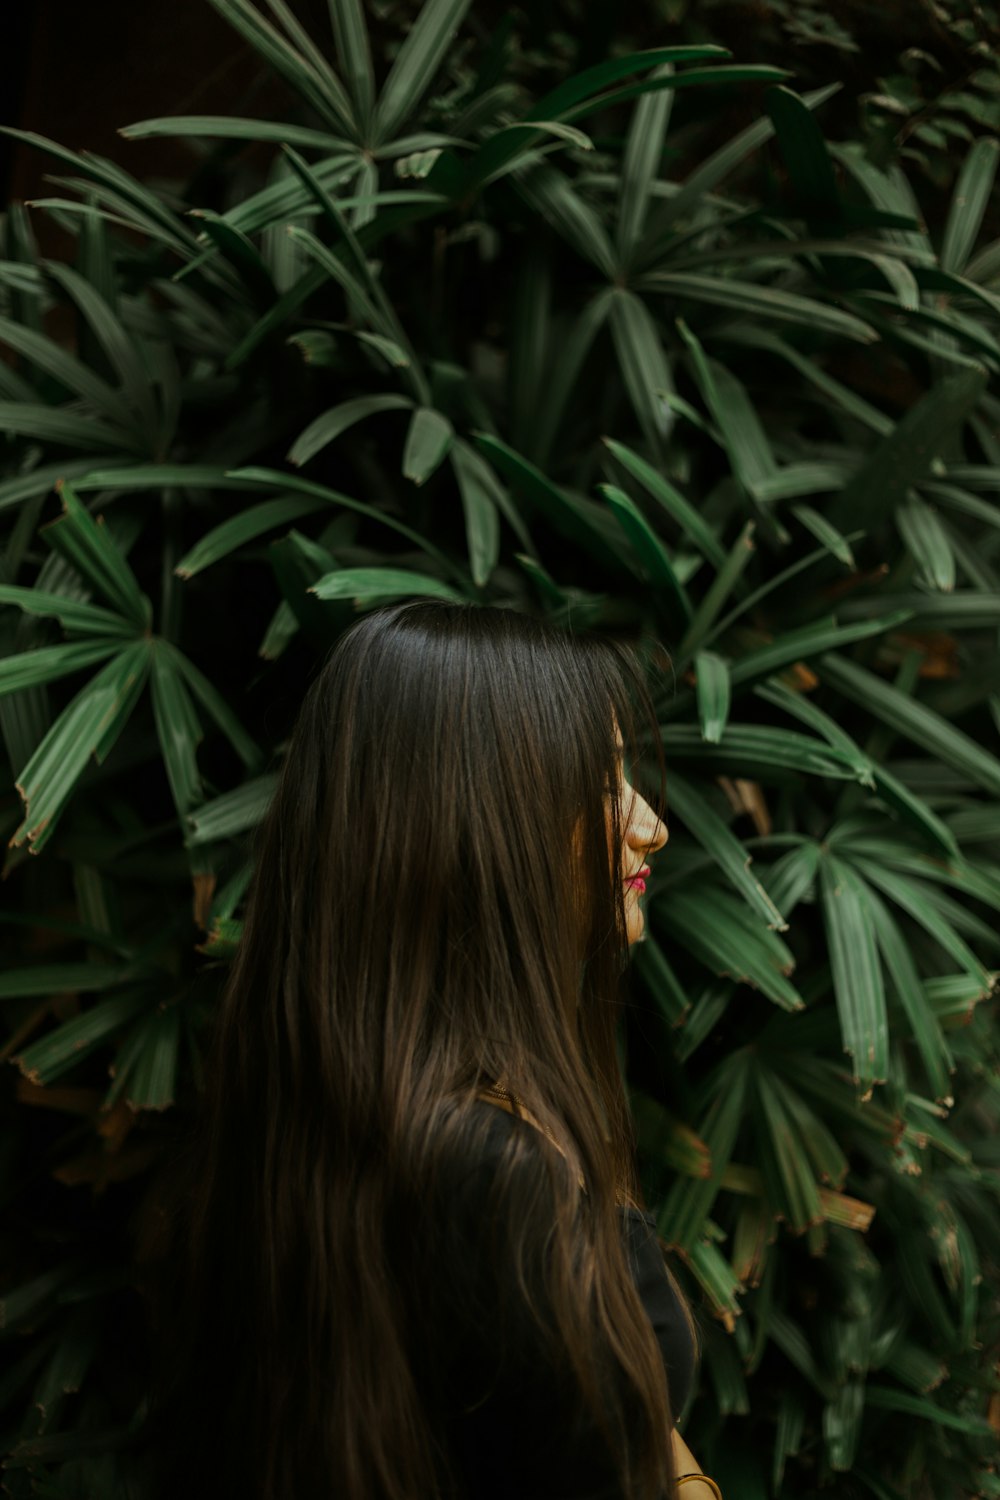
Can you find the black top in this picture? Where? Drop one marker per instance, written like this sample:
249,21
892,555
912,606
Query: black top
510,1425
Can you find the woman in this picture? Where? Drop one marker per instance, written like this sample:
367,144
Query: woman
407,1256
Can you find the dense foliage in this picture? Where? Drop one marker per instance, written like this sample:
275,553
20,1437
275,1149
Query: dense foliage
488,316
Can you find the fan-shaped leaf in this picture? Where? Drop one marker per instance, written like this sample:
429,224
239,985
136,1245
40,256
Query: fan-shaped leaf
717,839
74,1040
641,163
215,706
924,1025
689,1202
177,728
233,813
825,533
810,169
329,425
658,974
299,61
245,527
768,302
231,127
56,424
673,502
145,1068
787,1172
365,584
551,194
719,931
857,974
650,550
89,725
927,541
73,614
25,669
912,718
417,62
85,543
478,488
583,522
428,439
713,689
755,747
968,204
643,364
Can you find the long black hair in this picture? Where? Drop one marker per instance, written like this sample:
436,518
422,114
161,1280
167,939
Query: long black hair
436,903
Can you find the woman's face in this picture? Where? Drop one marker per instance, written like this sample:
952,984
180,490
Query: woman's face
642,835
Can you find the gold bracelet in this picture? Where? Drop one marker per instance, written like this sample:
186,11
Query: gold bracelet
682,1478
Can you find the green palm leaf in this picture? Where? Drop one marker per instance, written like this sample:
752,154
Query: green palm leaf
714,691
231,127
927,541
428,440
73,614
912,718
574,518
46,355
329,425
122,351
919,903
302,65
74,1040
56,424
651,552
717,929
968,204
708,827
786,1169
89,725
48,663
870,773
364,585
145,1068
233,813
904,457
769,301
689,1202
223,539
643,365
177,728
641,164
692,78
673,502
553,196
417,63
214,705
480,498
899,965
294,484
746,748
85,543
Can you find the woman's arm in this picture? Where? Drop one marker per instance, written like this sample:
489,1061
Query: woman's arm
686,1463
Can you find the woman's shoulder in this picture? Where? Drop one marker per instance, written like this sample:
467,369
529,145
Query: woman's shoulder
475,1221
493,1136
503,1133
513,1117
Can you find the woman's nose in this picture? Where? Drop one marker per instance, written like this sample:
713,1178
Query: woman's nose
646,830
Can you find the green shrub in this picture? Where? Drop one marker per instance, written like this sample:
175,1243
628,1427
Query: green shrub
470,331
